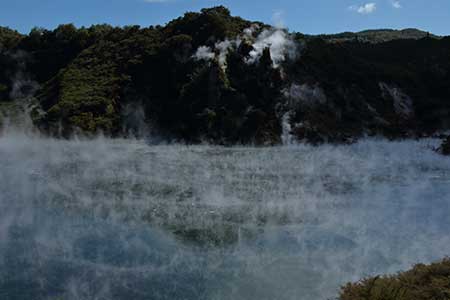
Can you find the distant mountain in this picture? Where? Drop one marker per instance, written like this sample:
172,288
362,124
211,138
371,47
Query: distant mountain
379,35
210,76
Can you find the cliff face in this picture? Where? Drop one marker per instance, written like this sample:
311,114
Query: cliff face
213,77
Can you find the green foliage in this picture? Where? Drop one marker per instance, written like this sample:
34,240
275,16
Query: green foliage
88,92
9,38
211,25
11,113
423,282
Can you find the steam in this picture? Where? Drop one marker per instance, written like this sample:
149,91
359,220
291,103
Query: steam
221,50
134,120
287,137
204,53
15,115
298,96
250,32
23,86
304,95
100,219
278,40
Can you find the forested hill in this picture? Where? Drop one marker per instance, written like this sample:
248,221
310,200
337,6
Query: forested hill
210,76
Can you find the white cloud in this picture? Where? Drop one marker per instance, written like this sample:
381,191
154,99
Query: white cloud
396,4
365,9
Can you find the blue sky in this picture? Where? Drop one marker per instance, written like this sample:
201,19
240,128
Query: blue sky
308,16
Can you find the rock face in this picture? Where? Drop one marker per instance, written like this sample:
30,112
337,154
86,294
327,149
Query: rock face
213,77
402,103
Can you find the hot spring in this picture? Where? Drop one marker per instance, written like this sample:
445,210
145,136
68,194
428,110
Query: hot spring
121,219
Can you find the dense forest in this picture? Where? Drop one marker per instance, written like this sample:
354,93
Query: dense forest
211,77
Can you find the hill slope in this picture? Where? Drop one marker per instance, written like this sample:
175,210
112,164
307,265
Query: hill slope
210,76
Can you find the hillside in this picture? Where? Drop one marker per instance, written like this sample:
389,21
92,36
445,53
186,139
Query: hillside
210,76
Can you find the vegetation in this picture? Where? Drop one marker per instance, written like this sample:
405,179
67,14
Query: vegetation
89,77
9,38
423,282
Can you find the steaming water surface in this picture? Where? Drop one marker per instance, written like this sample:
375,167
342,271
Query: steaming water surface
119,219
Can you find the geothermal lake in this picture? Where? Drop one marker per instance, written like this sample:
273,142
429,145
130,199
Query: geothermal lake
121,219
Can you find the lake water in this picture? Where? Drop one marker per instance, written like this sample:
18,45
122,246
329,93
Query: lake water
121,219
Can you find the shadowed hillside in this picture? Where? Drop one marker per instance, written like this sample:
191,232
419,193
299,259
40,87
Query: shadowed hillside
210,76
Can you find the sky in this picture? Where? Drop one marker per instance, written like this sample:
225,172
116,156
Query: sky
306,16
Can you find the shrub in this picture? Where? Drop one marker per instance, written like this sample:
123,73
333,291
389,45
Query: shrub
423,282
